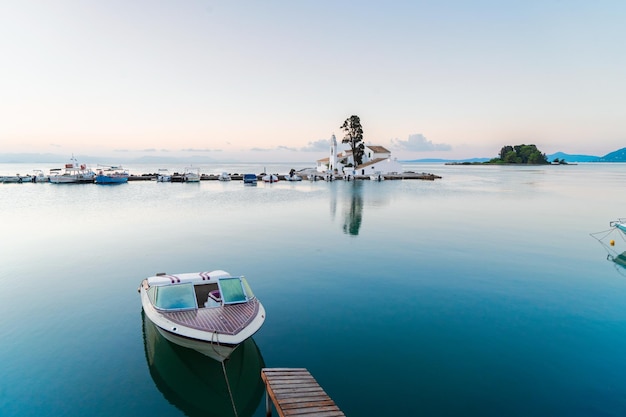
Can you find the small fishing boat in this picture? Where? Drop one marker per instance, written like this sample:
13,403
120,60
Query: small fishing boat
164,175
39,176
191,175
293,176
224,176
16,179
271,178
378,176
211,312
75,173
249,179
112,175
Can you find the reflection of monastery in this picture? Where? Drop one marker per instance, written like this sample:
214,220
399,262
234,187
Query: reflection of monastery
376,160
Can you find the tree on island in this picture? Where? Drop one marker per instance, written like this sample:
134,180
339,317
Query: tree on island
520,154
354,137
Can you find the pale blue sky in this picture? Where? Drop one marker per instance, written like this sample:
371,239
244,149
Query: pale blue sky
273,80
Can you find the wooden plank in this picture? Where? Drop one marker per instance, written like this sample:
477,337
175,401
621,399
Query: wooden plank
294,392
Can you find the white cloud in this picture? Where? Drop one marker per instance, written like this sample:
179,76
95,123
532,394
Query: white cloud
200,150
317,146
418,142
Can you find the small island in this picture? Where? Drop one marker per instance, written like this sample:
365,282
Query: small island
517,155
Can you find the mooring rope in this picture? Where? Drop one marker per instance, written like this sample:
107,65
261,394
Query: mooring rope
232,400
216,342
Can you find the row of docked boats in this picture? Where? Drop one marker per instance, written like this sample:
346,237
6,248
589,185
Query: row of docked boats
74,173
36,176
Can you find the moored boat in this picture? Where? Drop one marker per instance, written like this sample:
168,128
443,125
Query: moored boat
249,179
293,176
16,179
164,175
191,175
112,175
74,173
224,176
39,176
270,178
211,312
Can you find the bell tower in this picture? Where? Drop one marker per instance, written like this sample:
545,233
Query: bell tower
332,160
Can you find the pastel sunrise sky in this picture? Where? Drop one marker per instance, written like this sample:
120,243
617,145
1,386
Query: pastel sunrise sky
273,80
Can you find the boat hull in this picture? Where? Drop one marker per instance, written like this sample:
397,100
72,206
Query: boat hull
72,179
105,179
218,352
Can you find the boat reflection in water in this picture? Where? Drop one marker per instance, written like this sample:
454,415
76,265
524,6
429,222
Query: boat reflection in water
619,260
201,386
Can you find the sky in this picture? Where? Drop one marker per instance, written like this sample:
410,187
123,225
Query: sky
273,80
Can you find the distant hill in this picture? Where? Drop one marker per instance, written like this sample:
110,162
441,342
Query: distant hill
615,156
572,158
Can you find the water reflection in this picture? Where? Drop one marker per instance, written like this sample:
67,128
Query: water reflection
353,211
196,384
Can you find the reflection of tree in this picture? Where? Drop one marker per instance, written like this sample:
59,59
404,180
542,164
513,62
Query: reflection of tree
354,213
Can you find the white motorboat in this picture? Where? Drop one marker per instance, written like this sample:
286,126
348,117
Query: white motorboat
17,179
191,175
270,178
74,174
211,312
164,175
224,177
293,176
39,176
378,176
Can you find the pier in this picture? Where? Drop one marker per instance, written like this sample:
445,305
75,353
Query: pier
294,392
305,177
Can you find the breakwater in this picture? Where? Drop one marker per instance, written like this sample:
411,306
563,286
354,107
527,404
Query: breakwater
307,176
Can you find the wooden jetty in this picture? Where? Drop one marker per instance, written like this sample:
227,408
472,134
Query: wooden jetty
295,393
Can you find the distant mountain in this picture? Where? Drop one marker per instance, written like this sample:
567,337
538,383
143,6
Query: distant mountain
572,158
615,156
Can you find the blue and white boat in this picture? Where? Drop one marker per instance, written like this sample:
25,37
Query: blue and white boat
112,175
211,312
249,179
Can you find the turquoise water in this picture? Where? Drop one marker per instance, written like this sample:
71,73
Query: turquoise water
481,293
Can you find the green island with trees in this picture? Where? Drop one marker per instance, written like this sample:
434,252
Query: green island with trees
518,155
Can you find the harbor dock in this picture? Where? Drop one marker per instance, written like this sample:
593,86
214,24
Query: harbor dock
306,177
294,392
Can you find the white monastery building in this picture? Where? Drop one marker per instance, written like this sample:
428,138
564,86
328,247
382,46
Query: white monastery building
376,160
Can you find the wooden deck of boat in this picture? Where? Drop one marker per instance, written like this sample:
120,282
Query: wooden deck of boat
229,319
295,393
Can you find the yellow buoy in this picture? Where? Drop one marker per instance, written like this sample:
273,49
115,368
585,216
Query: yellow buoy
612,242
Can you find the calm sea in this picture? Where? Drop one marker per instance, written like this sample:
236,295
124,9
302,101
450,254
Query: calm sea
481,293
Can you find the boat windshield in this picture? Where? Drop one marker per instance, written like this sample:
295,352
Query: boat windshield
176,297
232,291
